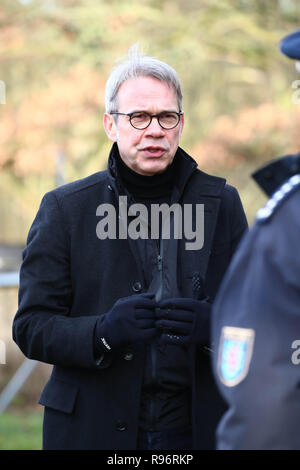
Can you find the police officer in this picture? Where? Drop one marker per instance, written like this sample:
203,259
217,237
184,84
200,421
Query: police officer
256,318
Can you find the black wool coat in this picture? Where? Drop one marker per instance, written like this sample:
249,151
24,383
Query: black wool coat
69,277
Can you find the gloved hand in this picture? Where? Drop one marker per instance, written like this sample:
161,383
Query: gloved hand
184,321
131,320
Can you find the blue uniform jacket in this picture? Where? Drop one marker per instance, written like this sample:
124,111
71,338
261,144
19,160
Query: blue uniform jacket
256,334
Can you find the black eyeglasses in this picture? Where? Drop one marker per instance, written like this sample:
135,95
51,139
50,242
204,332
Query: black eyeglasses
141,119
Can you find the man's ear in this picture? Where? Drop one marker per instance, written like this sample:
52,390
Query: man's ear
181,123
110,127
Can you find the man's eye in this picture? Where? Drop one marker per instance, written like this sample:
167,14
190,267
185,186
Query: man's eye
169,118
169,115
139,116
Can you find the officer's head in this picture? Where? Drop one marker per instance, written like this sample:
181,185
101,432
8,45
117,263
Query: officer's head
140,87
290,46
271,176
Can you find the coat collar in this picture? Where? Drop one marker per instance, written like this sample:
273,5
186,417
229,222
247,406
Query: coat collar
272,175
185,169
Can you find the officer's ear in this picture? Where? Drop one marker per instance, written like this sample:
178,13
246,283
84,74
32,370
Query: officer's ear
110,127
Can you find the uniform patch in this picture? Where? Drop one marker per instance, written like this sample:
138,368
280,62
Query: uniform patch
235,352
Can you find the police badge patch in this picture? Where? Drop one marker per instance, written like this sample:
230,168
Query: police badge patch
235,352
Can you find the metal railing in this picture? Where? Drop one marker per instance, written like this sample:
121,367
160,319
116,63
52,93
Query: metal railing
9,279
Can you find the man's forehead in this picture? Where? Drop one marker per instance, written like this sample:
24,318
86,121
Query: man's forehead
147,92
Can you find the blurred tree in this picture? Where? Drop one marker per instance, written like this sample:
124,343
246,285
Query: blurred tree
55,56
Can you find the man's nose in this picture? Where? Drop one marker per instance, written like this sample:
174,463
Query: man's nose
154,128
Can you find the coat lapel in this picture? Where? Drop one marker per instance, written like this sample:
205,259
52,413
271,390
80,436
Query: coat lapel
206,190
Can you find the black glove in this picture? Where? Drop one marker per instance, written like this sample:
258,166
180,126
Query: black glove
184,321
131,320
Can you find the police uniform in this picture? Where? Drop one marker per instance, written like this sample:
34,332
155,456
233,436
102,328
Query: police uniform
256,317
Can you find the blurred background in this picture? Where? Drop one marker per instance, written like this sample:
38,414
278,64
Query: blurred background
240,103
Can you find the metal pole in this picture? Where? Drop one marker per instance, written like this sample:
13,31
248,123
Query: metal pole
60,168
9,279
16,383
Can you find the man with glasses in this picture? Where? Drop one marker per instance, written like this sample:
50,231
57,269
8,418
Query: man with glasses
124,317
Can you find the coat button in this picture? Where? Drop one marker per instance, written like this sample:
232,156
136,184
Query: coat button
121,426
137,286
128,356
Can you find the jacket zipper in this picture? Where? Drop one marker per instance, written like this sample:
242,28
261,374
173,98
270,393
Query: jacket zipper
159,259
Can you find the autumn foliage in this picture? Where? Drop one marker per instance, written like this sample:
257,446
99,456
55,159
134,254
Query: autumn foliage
55,57
256,134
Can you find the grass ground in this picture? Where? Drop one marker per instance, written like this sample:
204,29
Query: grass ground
21,431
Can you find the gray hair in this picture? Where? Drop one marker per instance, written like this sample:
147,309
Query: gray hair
136,65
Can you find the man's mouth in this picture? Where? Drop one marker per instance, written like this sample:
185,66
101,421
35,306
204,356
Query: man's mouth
154,151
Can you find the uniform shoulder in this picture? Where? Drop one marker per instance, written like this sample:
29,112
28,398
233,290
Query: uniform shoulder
280,196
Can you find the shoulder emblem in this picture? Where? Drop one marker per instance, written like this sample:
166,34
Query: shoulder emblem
278,197
235,353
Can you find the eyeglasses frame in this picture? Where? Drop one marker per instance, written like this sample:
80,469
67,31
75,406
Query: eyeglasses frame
157,116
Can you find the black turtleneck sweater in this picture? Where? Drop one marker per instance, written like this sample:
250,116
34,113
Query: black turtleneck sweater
155,189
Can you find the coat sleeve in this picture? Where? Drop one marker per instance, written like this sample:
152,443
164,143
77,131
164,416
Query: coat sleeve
43,327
